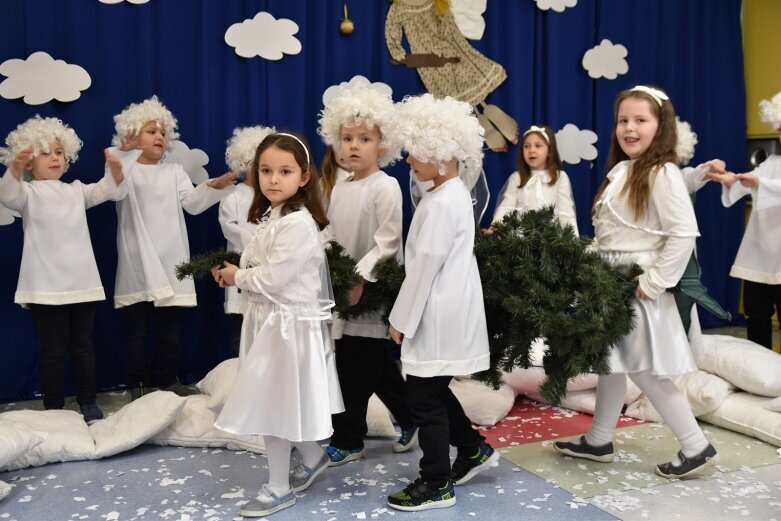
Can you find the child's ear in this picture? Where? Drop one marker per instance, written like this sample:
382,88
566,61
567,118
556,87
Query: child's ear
305,177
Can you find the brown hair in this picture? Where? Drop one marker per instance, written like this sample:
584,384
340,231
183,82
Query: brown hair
328,169
307,196
642,172
552,162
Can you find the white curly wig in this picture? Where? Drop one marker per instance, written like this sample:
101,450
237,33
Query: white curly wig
242,146
358,104
436,130
770,111
136,115
684,148
39,132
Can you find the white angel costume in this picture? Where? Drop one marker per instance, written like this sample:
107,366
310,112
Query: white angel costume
538,193
287,384
233,213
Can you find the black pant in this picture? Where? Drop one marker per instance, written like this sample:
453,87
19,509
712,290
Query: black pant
759,301
236,322
365,366
442,422
138,322
65,331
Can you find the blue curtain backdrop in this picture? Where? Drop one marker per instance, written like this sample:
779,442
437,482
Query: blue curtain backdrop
176,49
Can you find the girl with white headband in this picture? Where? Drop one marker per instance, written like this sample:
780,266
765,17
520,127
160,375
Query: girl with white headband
643,215
286,388
152,240
758,261
539,180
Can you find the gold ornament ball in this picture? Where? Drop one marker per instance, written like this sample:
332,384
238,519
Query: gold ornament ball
346,26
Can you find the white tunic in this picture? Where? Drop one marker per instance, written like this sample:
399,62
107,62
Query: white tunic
58,265
440,307
366,219
759,254
661,242
238,232
538,193
341,175
287,384
152,233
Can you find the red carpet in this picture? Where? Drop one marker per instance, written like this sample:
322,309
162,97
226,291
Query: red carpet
529,422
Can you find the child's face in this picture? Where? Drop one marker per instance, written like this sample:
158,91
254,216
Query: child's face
636,126
535,151
423,170
360,148
48,165
279,175
152,142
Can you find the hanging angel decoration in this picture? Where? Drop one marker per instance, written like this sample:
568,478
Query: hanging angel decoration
446,62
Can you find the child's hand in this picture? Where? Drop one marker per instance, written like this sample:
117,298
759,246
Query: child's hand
639,293
226,276
216,273
488,231
396,335
356,293
715,165
221,182
129,142
115,166
748,180
20,161
726,178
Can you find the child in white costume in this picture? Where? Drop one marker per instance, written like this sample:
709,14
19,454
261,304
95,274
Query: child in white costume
58,278
365,214
539,180
287,387
333,169
643,215
438,317
152,240
234,210
758,261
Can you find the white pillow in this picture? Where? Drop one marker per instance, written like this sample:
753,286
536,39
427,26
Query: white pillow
581,401
378,419
5,489
218,383
134,423
774,405
704,391
68,437
15,440
482,404
746,365
746,413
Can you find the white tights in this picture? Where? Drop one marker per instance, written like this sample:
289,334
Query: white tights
278,455
668,400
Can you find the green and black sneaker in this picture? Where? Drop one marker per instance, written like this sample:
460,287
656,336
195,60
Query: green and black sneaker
419,496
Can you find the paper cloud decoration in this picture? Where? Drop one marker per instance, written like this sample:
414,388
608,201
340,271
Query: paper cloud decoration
7,216
192,160
557,5
40,78
120,1
575,145
468,15
606,60
264,36
333,91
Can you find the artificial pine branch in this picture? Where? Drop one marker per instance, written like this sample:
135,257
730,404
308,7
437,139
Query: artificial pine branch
201,265
343,275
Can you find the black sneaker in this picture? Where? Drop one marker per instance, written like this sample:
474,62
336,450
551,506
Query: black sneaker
91,413
688,466
406,440
465,468
419,496
581,449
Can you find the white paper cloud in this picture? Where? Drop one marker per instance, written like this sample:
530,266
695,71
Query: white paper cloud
7,216
557,5
192,160
40,78
264,36
333,91
575,145
606,60
120,1
468,15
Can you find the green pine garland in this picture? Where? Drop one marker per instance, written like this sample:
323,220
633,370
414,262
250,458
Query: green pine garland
200,266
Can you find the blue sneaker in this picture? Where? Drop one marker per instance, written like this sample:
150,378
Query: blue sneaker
341,456
303,476
419,496
406,440
267,503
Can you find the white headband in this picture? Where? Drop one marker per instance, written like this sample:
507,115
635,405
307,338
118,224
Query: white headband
308,162
656,94
535,128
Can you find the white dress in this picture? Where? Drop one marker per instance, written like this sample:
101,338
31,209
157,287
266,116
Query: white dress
287,384
238,232
661,242
58,265
538,193
440,306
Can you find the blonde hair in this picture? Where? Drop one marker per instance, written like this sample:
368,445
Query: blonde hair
136,115
38,133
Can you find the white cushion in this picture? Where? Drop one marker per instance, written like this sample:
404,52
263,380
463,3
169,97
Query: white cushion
378,419
5,489
581,401
68,439
746,413
218,383
704,391
774,405
482,404
134,423
746,365
15,440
